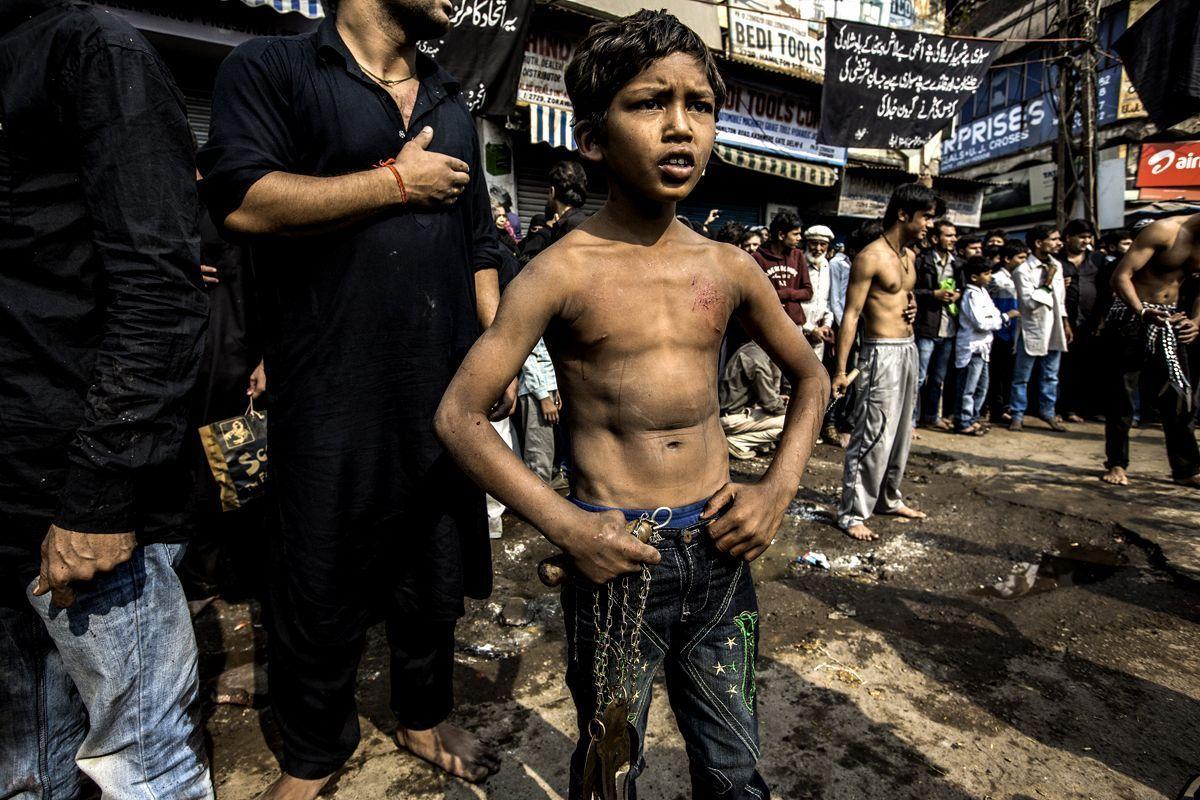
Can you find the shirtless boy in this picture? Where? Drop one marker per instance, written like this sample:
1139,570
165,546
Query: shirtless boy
880,293
1145,335
633,306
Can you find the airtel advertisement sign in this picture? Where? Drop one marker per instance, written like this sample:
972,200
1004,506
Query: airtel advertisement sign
1169,164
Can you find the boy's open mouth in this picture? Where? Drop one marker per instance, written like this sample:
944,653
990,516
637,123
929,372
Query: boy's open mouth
678,165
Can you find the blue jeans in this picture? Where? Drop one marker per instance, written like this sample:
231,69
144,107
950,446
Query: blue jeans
701,623
1023,365
973,381
107,686
935,362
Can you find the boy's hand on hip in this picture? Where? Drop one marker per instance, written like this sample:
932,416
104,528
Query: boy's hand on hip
602,550
68,556
755,511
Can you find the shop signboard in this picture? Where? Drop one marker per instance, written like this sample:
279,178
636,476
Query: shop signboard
541,81
775,122
792,45
894,89
1020,126
1130,104
790,36
1173,164
866,195
1019,193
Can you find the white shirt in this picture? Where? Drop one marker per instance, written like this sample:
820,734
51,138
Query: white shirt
978,319
839,280
1041,326
816,311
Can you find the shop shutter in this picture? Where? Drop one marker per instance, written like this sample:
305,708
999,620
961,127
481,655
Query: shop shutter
696,208
533,163
199,113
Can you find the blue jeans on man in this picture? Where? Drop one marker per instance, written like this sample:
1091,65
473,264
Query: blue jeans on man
934,364
973,382
1023,366
701,624
107,686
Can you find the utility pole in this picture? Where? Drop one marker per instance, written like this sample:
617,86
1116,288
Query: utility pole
1075,151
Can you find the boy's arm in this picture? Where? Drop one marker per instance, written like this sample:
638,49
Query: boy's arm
755,511
597,542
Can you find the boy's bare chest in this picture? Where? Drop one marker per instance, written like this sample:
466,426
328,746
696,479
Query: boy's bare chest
690,309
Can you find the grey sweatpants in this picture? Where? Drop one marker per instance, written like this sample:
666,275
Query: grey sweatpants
882,418
537,437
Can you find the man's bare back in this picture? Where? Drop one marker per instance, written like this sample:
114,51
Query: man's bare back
635,349
892,279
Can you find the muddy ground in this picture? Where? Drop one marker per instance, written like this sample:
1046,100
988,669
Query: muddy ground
997,650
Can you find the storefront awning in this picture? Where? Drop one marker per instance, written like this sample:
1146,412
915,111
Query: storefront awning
815,174
309,8
551,125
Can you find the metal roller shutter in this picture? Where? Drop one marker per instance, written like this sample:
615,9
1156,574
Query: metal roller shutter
199,113
533,163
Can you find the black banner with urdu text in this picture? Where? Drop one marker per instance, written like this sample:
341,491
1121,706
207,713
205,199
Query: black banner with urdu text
894,89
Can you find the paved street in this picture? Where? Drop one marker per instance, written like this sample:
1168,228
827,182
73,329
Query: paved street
1035,638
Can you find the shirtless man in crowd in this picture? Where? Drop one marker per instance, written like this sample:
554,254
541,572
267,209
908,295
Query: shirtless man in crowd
881,292
1145,337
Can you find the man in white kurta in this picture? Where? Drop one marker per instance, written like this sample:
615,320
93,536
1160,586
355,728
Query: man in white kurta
1043,331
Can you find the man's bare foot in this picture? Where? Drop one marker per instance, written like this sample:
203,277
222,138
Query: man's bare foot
906,513
862,533
286,787
1116,476
1192,481
455,750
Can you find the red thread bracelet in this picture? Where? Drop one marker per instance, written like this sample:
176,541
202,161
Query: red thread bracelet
391,164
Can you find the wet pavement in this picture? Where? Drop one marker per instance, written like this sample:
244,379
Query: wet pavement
1029,640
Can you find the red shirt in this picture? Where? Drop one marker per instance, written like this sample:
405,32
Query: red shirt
789,274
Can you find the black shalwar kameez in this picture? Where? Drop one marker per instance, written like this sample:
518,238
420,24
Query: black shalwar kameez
363,327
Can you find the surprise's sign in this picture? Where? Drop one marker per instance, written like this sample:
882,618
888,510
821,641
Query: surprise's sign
895,89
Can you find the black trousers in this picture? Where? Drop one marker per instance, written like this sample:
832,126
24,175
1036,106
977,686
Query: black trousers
1000,384
1080,378
318,617
1130,367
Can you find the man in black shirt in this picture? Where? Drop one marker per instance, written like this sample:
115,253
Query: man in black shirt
937,293
568,191
1088,296
375,278
101,323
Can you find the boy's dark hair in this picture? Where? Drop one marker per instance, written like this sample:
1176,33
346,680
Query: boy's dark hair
912,198
1039,233
997,232
1012,247
613,53
966,241
569,182
1078,227
329,7
731,232
784,222
866,233
977,265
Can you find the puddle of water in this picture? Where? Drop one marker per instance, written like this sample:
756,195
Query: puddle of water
1071,564
808,511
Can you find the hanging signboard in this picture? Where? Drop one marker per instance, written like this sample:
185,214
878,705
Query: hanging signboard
789,35
545,61
791,45
895,89
483,50
865,195
1130,104
775,122
1169,164
1020,193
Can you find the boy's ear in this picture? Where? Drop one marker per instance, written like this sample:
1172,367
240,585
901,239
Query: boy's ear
588,144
